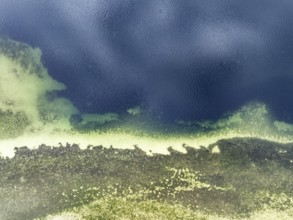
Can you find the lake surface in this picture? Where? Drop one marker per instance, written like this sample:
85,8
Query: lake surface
184,60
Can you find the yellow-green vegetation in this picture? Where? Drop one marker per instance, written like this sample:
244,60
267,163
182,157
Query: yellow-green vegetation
12,124
247,178
134,111
125,209
283,126
25,86
253,118
112,208
91,122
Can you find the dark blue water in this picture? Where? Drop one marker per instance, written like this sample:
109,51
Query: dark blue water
178,59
